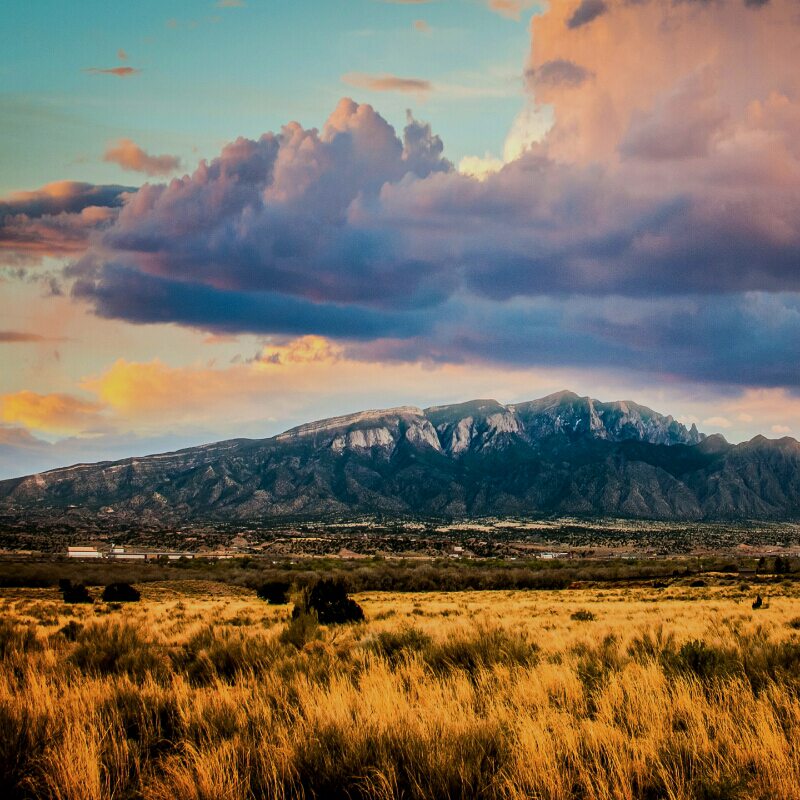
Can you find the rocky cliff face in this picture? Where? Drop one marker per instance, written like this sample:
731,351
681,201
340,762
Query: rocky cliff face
561,454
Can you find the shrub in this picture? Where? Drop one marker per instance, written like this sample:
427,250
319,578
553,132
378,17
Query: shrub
276,593
582,615
117,648
71,630
302,628
481,648
74,592
328,599
794,623
653,644
120,593
393,645
16,639
705,661
216,653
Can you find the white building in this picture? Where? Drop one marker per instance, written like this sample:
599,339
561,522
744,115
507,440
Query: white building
83,551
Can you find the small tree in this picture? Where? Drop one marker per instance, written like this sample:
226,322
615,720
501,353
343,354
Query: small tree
276,593
74,592
120,593
328,599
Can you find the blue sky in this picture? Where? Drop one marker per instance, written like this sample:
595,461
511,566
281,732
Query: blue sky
210,74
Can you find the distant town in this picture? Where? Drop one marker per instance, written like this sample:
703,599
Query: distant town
121,553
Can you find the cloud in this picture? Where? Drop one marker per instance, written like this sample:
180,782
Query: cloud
387,83
303,350
51,413
62,197
510,8
559,72
586,12
683,124
421,26
714,423
130,156
231,4
122,55
119,72
20,337
480,167
56,220
782,430
646,216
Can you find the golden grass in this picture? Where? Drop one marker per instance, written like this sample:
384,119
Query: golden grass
194,693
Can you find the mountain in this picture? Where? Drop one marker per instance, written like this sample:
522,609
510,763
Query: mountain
561,454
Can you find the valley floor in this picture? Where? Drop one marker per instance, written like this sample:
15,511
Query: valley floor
202,691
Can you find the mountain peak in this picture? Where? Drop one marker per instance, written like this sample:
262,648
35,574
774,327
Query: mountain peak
560,454
359,419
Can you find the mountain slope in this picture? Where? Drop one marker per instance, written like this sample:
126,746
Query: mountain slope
561,454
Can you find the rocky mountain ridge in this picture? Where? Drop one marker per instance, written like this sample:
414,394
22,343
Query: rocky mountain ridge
561,454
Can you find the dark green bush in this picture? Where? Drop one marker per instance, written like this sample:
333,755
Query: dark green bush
120,593
582,615
276,593
74,592
328,599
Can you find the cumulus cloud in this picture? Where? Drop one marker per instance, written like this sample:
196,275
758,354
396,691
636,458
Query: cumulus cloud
56,220
649,214
387,83
130,156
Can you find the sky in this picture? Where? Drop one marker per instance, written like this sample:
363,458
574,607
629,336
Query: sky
221,219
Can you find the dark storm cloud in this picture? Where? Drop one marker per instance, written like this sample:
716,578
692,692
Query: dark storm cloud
55,220
586,12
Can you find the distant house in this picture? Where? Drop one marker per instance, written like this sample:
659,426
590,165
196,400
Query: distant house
84,551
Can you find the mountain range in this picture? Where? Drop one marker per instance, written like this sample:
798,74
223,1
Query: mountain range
561,454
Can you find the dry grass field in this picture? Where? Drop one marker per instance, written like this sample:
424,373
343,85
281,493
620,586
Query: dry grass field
202,690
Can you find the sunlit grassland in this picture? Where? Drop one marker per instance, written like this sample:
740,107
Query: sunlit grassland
203,691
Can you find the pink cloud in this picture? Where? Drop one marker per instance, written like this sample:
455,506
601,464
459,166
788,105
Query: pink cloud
119,72
387,83
130,156
56,220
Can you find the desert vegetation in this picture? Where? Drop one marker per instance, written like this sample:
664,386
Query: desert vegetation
203,690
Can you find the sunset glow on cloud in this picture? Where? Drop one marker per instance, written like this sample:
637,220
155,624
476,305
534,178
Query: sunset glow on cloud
638,227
